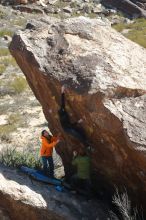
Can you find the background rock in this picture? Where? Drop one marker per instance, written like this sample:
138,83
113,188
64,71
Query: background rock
28,9
130,7
105,75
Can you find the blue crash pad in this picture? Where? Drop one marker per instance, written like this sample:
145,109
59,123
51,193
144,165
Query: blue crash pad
38,175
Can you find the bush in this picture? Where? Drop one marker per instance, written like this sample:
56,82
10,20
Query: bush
123,204
2,14
8,61
13,122
13,158
137,31
73,5
4,32
119,27
138,37
19,85
4,52
5,130
19,22
14,118
2,69
60,4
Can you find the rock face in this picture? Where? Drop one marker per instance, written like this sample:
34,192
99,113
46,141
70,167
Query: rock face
133,8
23,198
106,78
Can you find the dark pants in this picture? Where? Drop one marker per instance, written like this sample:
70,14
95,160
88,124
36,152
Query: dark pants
71,128
81,185
48,166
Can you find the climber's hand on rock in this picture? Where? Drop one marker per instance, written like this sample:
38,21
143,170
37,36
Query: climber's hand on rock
80,121
74,153
58,141
63,89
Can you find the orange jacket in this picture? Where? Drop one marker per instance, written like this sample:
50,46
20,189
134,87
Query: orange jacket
47,148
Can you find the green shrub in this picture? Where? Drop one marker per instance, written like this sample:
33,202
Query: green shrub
138,37
13,158
119,27
4,32
5,106
4,52
7,129
14,118
13,122
92,15
138,24
2,14
74,5
137,31
8,61
20,22
2,69
19,85
60,4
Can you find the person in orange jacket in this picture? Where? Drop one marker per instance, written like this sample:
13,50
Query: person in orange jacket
48,142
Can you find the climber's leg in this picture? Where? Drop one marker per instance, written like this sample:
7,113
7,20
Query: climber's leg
62,101
45,165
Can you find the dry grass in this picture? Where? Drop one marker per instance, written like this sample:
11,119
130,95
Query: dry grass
14,86
123,204
8,61
2,69
4,52
137,31
2,14
5,131
5,31
19,22
19,85
13,122
14,118
13,158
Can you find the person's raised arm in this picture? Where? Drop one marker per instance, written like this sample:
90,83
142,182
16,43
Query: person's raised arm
52,144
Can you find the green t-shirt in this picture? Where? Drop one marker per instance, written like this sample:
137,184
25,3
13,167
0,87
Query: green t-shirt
83,166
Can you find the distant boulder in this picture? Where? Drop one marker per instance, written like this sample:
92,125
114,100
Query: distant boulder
133,8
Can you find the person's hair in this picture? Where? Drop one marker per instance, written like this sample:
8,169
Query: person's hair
49,136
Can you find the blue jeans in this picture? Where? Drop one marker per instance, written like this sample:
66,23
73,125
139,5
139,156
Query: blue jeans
48,166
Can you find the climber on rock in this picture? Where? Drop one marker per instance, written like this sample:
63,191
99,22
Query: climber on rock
72,128
81,180
48,142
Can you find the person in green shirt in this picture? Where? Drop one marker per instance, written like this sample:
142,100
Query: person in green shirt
81,180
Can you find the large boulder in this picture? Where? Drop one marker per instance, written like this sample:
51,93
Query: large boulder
106,78
133,8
